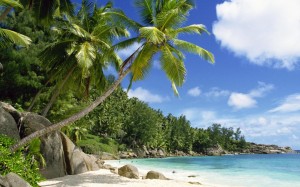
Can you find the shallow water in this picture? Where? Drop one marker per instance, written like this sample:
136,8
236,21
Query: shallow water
232,170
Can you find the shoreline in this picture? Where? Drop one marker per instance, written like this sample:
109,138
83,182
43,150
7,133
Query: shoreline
106,178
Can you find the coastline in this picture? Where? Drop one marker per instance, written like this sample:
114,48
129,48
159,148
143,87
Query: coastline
106,178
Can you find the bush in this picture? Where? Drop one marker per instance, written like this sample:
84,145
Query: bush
25,166
96,145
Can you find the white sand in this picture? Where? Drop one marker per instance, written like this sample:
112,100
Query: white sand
105,178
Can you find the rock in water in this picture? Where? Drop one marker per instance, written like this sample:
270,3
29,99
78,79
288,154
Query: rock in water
155,175
129,171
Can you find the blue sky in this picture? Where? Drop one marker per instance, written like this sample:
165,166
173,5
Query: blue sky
254,83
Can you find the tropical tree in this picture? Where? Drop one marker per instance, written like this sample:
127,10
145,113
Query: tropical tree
82,50
8,36
163,23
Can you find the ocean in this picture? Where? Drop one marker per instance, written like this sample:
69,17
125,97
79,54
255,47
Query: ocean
271,170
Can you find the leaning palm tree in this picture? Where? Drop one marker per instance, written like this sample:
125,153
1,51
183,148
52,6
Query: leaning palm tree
163,23
82,50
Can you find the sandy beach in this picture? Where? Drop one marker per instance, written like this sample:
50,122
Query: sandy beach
105,178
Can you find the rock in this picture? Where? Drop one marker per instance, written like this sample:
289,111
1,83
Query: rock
107,166
114,170
8,126
192,176
77,161
196,183
3,182
155,175
15,180
108,156
161,153
215,150
129,171
11,110
51,145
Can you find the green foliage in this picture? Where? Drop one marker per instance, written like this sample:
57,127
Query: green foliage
23,165
96,145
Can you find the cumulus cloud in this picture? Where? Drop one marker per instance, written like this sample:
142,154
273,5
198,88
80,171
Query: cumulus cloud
247,100
289,104
146,95
216,93
266,32
261,128
194,92
240,100
124,53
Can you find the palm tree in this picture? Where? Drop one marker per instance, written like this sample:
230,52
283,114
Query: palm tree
83,49
163,21
8,36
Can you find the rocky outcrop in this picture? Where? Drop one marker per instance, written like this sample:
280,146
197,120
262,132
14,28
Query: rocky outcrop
129,171
51,145
61,155
267,149
215,151
143,152
13,180
155,175
8,125
76,160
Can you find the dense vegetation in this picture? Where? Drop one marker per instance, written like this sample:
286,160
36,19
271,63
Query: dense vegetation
22,162
118,123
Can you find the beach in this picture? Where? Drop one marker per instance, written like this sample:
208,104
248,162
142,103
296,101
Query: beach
105,178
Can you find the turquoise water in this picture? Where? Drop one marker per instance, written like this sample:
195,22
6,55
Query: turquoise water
233,170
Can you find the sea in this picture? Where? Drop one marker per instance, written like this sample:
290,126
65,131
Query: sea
253,170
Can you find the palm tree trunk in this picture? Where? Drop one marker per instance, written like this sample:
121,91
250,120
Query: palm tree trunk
36,97
56,93
4,14
73,118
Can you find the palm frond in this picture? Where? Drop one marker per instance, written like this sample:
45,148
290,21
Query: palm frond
169,17
142,62
14,37
11,3
173,67
146,10
85,57
152,35
191,29
192,48
125,43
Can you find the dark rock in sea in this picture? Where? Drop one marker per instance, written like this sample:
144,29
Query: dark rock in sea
192,176
129,171
155,175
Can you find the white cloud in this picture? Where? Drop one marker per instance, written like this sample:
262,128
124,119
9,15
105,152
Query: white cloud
289,104
240,100
247,100
125,53
216,93
260,128
261,90
194,92
266,32
146,95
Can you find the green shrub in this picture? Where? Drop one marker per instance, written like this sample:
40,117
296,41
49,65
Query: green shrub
25,166
96,145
